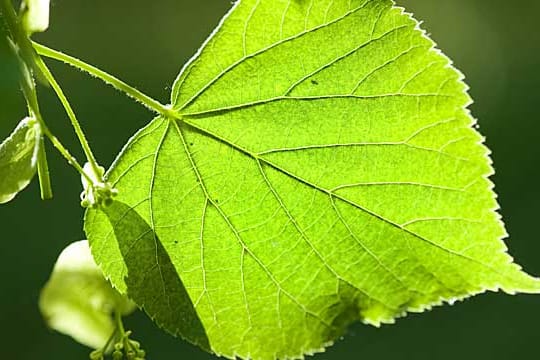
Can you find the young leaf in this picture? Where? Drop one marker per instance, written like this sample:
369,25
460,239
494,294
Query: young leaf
323,168
78,301
18,158
35,15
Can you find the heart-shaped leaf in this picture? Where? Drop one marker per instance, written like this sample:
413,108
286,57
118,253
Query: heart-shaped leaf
322,169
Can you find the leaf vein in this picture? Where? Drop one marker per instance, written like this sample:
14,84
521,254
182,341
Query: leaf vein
263,50
237,235
306,239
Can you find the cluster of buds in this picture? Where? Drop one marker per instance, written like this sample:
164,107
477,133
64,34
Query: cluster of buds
131,349
97,192
125,348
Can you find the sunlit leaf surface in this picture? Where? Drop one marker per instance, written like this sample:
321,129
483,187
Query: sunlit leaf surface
323,169
18,158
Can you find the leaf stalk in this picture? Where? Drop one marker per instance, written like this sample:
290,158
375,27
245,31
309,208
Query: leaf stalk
118,84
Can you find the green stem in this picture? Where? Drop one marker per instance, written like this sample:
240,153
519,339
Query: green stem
29,90
43,172
9,15
118,84
25,49
110,341
44,176
31,98
71,114
119,323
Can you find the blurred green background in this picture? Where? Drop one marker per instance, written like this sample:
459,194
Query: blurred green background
495,43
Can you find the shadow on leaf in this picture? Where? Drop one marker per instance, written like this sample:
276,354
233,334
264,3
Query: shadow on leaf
152,280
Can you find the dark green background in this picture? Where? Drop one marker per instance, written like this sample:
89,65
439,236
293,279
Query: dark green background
495,43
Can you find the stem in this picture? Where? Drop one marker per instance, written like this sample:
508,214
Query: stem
29,90
44,176
20,36
110,340
71,114
31,98
9,15
43,172
119,323
118,84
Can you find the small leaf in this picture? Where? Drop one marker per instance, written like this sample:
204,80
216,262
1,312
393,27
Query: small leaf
18,158
35,15
78,301
323,169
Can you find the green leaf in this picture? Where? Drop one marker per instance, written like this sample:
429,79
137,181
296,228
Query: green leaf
18,158
323,169
144,270
78,300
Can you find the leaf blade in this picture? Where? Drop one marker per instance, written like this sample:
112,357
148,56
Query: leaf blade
18,158
300,191
142,268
